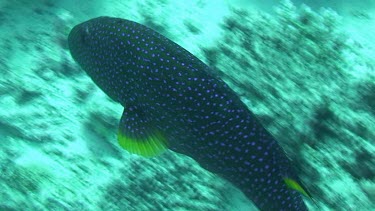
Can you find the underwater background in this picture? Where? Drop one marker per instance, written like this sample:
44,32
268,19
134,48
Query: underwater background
305,68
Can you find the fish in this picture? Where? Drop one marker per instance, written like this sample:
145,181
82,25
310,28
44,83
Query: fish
172,100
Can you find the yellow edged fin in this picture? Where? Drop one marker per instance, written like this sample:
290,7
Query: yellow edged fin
149,146
292,184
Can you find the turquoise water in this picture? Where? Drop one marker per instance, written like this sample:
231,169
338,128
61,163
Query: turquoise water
306,71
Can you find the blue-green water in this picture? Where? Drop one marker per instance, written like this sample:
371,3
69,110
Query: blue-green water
306,71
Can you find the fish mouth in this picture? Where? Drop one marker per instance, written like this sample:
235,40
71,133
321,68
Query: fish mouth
73,39
78,39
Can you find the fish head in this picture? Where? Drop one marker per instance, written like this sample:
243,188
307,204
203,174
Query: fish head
106,49
93,43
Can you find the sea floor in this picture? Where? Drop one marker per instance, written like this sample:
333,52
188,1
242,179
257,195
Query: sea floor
307,73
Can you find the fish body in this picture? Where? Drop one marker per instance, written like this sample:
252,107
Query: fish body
172,100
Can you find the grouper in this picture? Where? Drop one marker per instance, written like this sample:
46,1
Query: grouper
172,100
